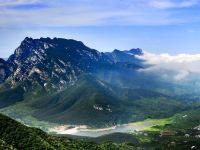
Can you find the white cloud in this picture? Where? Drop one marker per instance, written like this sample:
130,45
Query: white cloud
181,75
176,67
17,2
168,4
192,31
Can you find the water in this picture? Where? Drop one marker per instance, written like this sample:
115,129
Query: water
99,132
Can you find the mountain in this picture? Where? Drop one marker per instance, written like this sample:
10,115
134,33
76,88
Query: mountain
40,66
64,81
15,136
52,62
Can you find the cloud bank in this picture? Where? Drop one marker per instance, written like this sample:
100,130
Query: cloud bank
176,67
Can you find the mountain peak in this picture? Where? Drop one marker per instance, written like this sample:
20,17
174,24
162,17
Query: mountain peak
52,62
28,39
134,51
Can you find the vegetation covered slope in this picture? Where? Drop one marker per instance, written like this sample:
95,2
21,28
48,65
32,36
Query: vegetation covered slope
93,102
87,102
182,133
10,96
4,71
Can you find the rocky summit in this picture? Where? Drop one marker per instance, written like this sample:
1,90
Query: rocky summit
52,63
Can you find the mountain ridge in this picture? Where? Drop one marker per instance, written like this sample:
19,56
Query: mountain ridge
59,78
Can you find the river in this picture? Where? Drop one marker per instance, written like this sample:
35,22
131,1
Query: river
84,131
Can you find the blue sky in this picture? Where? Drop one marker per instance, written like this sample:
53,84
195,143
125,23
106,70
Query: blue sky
158,26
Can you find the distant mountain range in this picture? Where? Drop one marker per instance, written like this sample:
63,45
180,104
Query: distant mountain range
124,56
64,81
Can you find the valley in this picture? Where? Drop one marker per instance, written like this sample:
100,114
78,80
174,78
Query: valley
178,132
25,116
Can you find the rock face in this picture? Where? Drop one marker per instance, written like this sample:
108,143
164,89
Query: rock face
3,70
52,63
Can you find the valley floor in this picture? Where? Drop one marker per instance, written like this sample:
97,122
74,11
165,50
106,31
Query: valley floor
90,132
